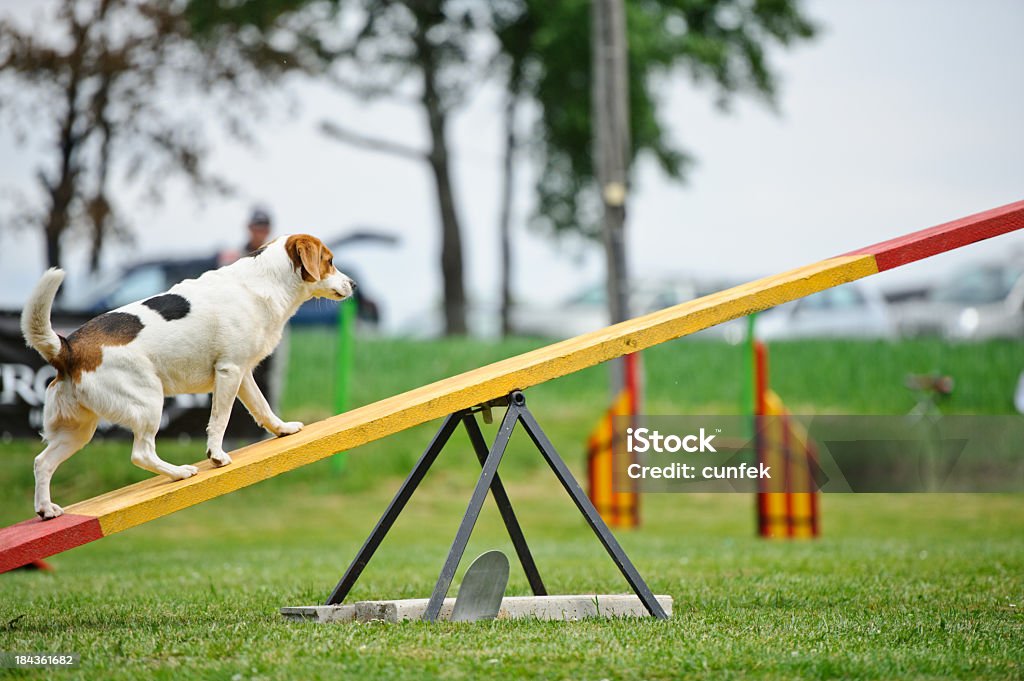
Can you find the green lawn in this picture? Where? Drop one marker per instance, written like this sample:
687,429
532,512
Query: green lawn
900,586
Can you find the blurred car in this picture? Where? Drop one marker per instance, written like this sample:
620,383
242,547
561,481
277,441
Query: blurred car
978,302
588,309
847,311
149,278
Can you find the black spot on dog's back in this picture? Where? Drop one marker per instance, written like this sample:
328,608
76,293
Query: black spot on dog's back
171,306
257,252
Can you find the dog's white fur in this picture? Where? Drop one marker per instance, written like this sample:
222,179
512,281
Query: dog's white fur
236,318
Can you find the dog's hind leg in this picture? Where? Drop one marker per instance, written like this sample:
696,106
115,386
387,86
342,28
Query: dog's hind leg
64,437
137,405
145,457
257,404
226,382
144,419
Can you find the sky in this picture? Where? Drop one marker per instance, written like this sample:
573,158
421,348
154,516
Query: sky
901,115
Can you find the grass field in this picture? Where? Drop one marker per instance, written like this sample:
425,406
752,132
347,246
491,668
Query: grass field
900,586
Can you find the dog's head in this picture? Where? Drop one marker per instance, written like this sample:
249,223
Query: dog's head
313,263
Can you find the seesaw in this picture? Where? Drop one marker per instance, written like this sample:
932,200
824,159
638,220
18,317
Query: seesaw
461,397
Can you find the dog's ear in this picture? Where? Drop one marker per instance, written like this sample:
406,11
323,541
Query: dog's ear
305,252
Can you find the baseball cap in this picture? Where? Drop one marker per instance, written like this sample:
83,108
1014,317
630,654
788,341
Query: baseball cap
259,216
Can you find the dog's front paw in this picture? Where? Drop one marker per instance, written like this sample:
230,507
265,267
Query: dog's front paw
219,458
49,511
182,472
289,428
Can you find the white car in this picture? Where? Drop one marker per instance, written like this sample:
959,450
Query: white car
588,309
977,303
847,311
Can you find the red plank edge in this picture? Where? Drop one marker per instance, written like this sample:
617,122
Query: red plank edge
35,539
946,237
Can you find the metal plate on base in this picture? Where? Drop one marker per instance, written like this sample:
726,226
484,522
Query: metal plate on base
482,588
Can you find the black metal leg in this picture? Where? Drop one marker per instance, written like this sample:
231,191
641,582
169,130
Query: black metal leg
394,509
476,502
515,531
489,480
586,508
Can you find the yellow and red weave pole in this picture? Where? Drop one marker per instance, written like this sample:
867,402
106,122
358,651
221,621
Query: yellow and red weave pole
789,509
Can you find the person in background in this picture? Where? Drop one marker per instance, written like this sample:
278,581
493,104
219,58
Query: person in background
259,230
259,235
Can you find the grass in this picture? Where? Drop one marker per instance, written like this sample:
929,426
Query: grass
900,586
860,377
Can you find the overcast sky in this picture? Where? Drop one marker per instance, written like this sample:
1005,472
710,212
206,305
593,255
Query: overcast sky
902,115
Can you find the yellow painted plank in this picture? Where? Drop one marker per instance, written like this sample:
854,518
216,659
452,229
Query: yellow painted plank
150,499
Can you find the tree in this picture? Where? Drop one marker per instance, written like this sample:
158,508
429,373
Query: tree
374,48
515,36
432,41
108,78
722,42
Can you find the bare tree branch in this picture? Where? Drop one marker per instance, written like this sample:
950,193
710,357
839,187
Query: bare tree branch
356,139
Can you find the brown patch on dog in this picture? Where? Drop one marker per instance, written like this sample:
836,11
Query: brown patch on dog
83,349
310,257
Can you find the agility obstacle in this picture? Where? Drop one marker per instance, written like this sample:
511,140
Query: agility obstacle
789,507
122,509
613,493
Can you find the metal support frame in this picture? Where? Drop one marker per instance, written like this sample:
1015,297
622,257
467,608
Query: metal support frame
490,458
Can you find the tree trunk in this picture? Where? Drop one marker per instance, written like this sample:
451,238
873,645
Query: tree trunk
611,131
451,234
61,191
98,207
53,250
611,123
505,218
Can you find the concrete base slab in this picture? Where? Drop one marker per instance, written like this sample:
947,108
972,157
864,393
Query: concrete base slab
566,608
320,613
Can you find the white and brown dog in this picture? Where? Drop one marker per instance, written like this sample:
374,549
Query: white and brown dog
204,335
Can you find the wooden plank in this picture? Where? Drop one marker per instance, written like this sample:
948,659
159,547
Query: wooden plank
35,539
946,237
144,501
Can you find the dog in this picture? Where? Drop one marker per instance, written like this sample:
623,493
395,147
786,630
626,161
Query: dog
203,335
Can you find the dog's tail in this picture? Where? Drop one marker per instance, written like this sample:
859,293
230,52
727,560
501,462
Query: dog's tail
35,318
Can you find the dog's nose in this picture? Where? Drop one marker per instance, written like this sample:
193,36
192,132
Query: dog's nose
353,285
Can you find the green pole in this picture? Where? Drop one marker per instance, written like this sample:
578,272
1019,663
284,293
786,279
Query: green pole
747,380
345,361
